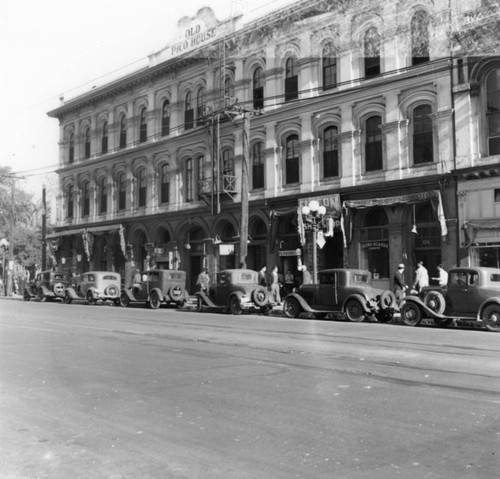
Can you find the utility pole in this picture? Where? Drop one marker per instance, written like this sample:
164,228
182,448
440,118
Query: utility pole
244,189
44,230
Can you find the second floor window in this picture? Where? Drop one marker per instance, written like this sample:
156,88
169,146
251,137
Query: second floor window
70,202
292,160
122,192
330,153
103,197
329,67
123,131
422,135
189,180
188,112
291,79
493,111
200,106
87,143
71,148
86,199
372,52
165,184
258,89
142,188
373,144
143,127
257,166
104,138
165,118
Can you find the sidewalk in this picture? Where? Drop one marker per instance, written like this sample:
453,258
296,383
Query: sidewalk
14,296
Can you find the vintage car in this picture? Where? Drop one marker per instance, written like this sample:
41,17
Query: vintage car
47,286
235,291
341,292
472,294
157,287
94,286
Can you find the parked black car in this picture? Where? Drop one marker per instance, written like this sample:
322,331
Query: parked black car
47,286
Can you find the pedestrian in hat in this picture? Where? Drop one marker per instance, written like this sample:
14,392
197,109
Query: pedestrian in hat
400,286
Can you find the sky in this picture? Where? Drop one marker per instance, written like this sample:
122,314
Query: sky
55,48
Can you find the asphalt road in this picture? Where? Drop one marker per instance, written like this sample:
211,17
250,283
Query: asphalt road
107,392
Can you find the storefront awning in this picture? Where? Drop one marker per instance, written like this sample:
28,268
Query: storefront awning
59,234
412,198
79,231
471,227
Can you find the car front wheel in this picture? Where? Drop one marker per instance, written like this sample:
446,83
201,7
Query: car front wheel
199,304
27,296
291,308
234,305
411,315
491,318
354,311
67,298
124,301
90,298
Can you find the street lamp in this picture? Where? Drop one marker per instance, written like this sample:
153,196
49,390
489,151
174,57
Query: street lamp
313,216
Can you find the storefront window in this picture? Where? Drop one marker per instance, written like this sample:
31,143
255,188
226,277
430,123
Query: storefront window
375,243
487,256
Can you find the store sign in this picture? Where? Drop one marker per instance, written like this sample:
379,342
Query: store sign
373,245
226,249
330,202
195,36
289,252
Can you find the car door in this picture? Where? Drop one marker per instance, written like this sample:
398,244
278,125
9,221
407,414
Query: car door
461,295
326,296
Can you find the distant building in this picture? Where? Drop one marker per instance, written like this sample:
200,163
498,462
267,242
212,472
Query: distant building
362,106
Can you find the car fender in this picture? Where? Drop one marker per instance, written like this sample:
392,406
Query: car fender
484,304
205,299
129,294
361,299
159,292
303,303
46,291
427,312
72,293
29,289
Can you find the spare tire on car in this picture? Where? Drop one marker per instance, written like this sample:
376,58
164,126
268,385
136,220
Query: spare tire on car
260,296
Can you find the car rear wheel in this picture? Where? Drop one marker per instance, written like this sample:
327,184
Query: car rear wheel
154,300
491,318
411,315
90,298
26,296
354,311
291,308
67,298
234,305
41,296
124,301
435,301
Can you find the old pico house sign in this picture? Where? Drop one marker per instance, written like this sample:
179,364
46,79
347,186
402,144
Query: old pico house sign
194,36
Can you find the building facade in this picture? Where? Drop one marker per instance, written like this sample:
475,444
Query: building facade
360,105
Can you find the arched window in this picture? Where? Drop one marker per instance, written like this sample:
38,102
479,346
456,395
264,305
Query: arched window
371,45
330,153
103,197
292,160
87,143
69,194
229,89
123,131
329,67
375,242
258,165
258,89
143,127
200,106
228,170
188,112
493,111
165,118
373,144
104,138
189,180
71,148
165,184
291,79
419,37
85,199
142,188
122,191
423,151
